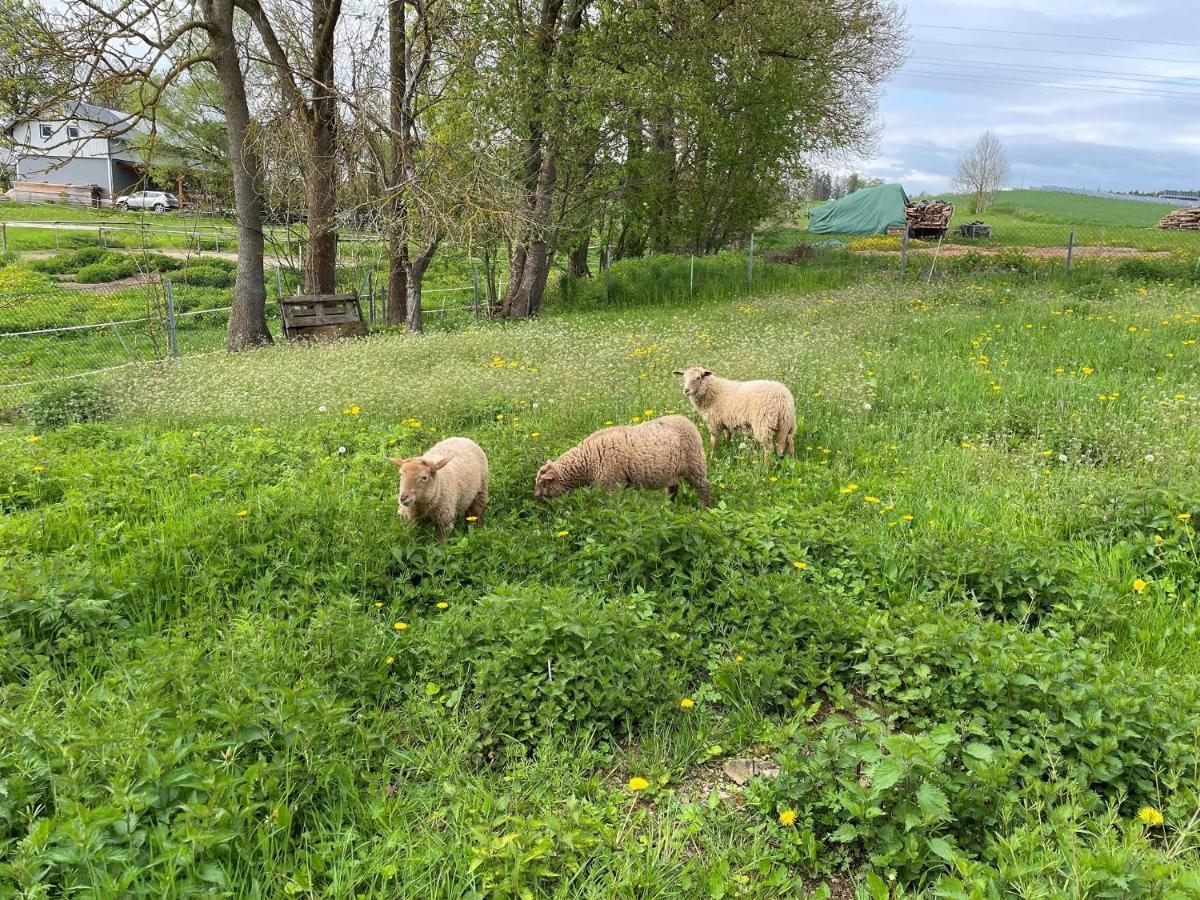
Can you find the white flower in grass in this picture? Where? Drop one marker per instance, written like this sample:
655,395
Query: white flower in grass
341,451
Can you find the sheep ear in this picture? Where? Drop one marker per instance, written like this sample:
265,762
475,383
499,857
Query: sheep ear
547,474
440,464
705,373
677,372
395,461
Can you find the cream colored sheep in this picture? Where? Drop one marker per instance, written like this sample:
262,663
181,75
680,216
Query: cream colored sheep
448,481
764,407
655,455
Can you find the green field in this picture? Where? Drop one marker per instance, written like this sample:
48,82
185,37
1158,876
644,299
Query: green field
961,622
1057,208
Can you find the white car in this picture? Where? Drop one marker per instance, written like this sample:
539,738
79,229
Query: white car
159,201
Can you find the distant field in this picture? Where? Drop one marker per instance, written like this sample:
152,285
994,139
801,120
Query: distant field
1051,207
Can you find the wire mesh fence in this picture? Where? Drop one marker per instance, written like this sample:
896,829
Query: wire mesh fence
99,309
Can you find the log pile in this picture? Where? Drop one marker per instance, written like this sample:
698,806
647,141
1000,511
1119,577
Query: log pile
928,218
1187,218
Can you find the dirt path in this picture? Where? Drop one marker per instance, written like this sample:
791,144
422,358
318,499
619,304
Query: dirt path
1040,252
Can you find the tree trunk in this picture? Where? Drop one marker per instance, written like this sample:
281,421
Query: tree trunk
416,280
320,266
527,283
248,315
577,262
398,262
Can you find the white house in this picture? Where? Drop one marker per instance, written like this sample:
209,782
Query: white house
80,146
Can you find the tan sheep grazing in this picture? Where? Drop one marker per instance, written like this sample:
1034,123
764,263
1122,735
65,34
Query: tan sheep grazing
766,408
655,455
448,481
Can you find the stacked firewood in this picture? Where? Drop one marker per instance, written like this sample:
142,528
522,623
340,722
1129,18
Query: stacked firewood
1187,218
42,192
928,217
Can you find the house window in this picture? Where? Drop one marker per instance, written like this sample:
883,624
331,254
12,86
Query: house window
73,131
46,131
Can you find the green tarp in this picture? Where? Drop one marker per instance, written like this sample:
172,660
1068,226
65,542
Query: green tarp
866,211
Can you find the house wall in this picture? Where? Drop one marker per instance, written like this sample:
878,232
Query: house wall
28,137
61,170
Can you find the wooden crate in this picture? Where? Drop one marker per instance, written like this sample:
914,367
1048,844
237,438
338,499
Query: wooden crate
316,316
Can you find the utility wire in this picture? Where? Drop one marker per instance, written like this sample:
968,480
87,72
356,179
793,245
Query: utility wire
1187,62
1131,92
1061,70
1081,37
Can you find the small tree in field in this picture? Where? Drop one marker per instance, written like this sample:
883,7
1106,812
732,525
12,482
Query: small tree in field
982,171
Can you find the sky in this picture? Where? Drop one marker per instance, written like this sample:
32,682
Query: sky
1116,106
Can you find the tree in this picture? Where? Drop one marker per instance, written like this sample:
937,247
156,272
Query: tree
983,171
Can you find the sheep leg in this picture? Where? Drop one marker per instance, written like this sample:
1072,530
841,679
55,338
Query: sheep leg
791,444
782,439
700,485
478,505
672,492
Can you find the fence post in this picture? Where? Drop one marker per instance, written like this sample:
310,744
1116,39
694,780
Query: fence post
692,276
100,235
172,337
607,270
278,282
474,287
933,265
56,248
750,264
371,295
3,238
1070,249
904,252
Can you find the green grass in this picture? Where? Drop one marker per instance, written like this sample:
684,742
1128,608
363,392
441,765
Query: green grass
1053,207
204,689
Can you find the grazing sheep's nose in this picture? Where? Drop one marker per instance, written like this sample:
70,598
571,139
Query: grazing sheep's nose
406,500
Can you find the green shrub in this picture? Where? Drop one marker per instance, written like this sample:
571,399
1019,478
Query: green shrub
107,270
68,403
207,275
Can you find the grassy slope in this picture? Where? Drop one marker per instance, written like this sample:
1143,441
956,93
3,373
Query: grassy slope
223,683
1063,209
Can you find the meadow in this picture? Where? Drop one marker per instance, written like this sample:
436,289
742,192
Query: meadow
960,624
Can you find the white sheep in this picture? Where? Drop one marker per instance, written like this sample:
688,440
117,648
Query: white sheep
726,406
448,481
656,454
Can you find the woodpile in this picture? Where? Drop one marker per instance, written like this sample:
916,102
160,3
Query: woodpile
928,218
1187,218
44,192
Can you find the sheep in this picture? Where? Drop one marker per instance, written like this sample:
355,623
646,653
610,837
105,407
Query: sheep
765,407
448,481
654,455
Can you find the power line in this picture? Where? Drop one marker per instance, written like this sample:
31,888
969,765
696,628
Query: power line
1186,62
1081,37
1130,92
1074,73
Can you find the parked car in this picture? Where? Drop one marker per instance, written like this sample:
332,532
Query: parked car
159,201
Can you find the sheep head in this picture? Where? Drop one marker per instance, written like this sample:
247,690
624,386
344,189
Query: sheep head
549,482
417,478
694,380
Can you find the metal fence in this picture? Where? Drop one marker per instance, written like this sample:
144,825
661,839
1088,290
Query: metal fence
55,329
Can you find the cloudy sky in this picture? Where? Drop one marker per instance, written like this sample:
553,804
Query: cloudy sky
1101,94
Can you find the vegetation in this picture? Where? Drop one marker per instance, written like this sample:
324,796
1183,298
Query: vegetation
962,620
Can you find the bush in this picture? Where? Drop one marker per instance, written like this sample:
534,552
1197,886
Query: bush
106,271
68,403
207,275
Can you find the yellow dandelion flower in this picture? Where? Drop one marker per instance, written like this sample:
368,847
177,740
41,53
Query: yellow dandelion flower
379,604
1087,370
1183,517
906,517
1150,816
242,513
870,499
800,565
638,784
34,438
39,468
443,605
563,533
647,412
687,703
472,518
739,658
390,660
1139,585
787,818
849,489
1158,539
400,626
